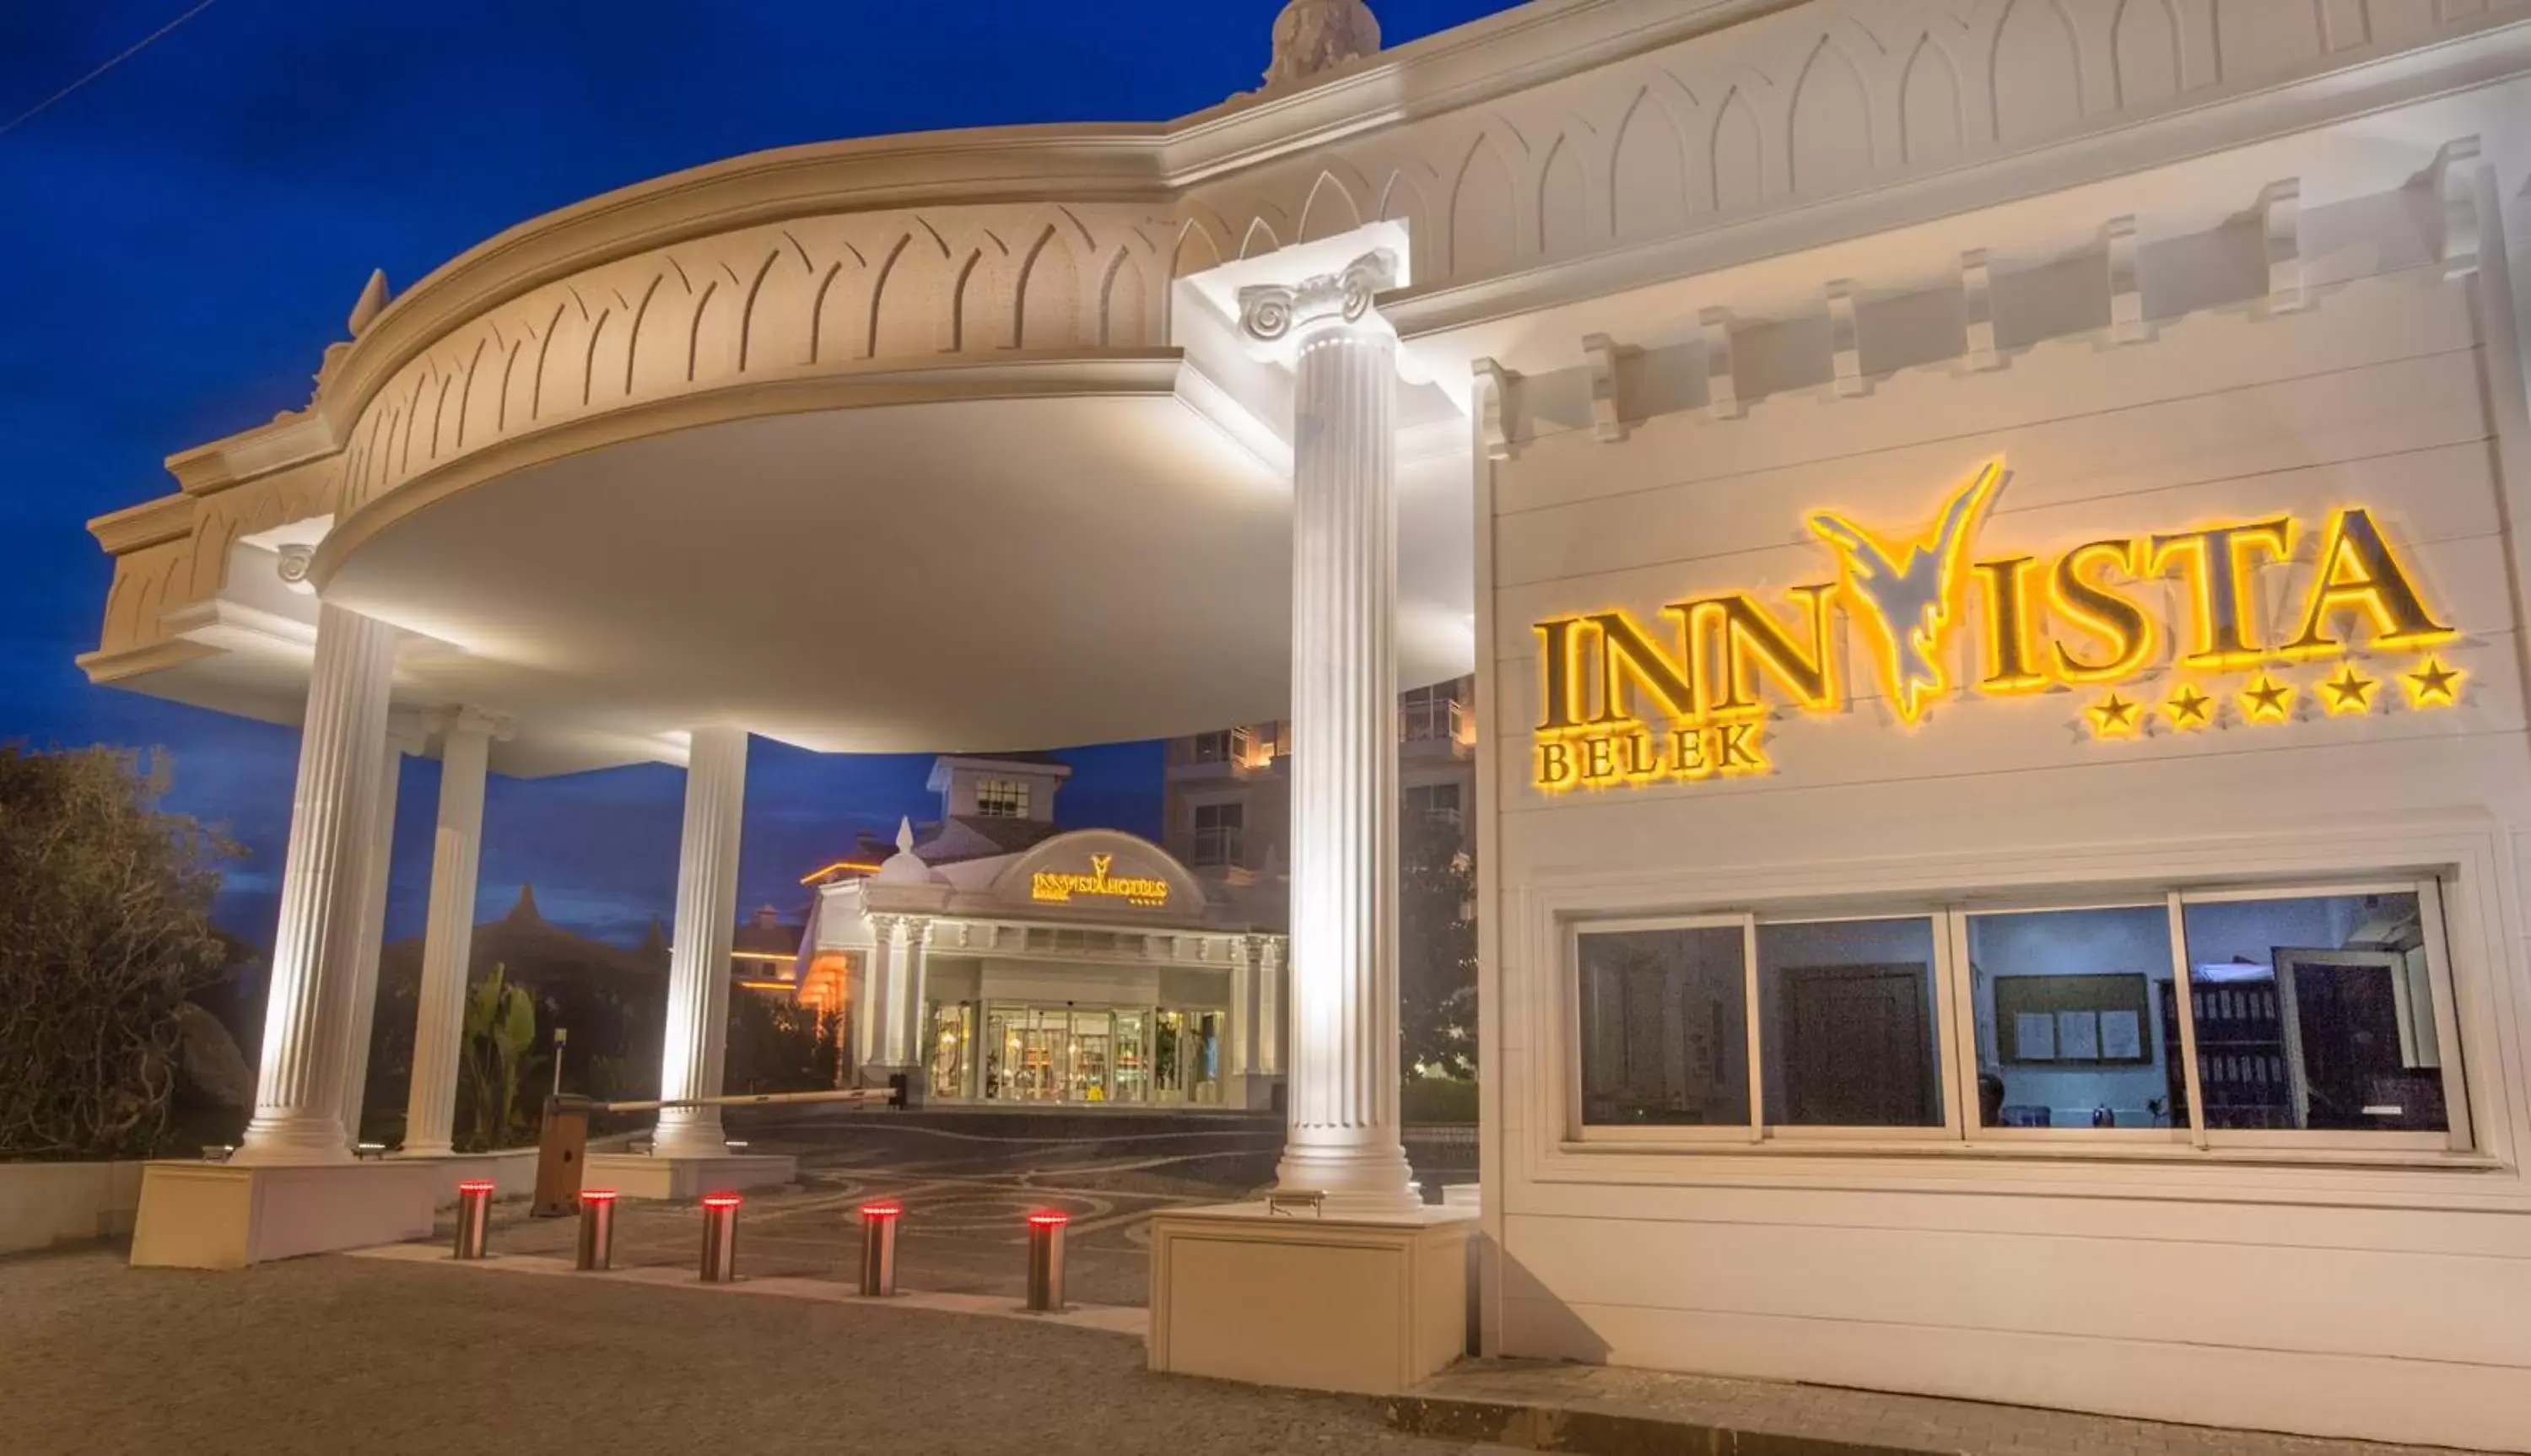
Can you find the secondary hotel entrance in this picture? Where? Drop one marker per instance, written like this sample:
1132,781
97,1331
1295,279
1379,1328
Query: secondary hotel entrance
1090,970
1101,1056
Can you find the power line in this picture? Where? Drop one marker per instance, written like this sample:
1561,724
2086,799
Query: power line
153,38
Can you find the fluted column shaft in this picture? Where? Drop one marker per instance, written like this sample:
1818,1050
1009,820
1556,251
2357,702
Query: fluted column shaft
698,1032
373,934
914,981
1239,1057
448,936
870,1035
1344,1067
1269,1005
324,886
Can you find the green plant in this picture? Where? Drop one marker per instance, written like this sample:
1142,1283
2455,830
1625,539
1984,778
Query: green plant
104,930
500,1032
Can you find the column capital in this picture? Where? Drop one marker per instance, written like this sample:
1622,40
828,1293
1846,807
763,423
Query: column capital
470,718
918,928
1277,318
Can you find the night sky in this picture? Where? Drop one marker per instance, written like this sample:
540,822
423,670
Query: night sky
186,233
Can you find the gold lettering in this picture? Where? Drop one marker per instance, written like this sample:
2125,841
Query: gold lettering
2010,614
2216,565
1599,758
1563,681
1687,747
1628,659
1554,764
1754,643
1641,759
2359,574
2094,608
1736,746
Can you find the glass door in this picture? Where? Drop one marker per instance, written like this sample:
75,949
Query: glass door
1092,1040
1129,1079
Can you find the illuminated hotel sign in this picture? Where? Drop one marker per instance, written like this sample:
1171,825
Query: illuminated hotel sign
1100,883
1629,703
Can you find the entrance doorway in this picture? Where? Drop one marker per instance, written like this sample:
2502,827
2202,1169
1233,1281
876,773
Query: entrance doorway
1071,1055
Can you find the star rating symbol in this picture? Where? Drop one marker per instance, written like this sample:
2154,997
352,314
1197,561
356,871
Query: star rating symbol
2434,684
2266,701
2350,691
2115,718
2189,709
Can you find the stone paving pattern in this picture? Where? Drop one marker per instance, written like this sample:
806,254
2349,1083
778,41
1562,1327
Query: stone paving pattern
1855,1417
331,1357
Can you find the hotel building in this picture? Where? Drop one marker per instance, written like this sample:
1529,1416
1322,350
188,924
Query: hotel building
1991,539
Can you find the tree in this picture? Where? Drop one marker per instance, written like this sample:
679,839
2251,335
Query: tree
1436,932
104,928
501,1032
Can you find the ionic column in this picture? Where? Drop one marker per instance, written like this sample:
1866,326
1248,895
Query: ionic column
1270,1002
1344,1087
912,981
400,741
324,888
448,936
691,1059
879,979
1240,1056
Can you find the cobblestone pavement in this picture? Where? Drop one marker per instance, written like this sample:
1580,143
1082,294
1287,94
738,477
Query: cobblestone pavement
1901,1422
327,1356
967,1181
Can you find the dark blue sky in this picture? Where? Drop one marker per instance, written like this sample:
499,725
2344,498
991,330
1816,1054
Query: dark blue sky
183,237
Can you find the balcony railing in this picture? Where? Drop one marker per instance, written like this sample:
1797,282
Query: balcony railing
1434,720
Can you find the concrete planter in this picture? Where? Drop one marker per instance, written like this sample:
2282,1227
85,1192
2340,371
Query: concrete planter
43,1204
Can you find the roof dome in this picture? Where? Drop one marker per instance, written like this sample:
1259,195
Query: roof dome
905,867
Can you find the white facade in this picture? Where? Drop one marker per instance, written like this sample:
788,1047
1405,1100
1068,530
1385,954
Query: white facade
1672,324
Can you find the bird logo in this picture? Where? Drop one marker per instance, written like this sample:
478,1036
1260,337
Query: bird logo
1909,592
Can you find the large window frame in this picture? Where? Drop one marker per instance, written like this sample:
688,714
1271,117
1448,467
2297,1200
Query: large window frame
1956,1013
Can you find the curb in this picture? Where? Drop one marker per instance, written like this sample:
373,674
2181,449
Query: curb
1589,1432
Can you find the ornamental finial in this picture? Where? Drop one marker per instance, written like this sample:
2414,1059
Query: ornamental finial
1315,36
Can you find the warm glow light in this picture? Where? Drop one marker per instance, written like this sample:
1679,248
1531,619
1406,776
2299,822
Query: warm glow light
1100,883
840,866
1627,704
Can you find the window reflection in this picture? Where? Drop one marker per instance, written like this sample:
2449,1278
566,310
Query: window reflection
2316,1013
1664,1027
1847,1011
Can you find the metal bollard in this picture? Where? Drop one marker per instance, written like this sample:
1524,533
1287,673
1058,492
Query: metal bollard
596,1229
720,1238
1045,1261
475,1220
879,1250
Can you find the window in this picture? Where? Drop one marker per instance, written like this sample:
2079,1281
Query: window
2292,1016
2317,1014
2075,1023
1215,747
1002,798
1429,801
1665,1027
1217,832
1852,1023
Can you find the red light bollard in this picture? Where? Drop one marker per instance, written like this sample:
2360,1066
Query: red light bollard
596,1230
1045,1261
475,1220
878,1248
720,1238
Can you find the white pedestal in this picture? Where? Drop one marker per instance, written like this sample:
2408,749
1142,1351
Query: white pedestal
1365,1304
637,1175
227,1216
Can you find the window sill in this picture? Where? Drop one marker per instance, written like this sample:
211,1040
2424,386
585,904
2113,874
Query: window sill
2152,1152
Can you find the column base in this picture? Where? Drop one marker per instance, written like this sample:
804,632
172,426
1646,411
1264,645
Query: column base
1365,1304
677,1178
198,1216
1369,1181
